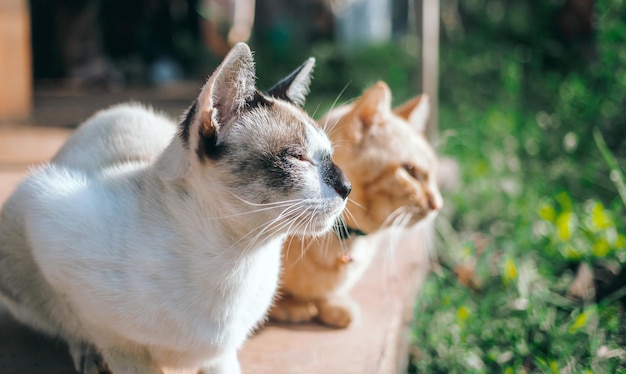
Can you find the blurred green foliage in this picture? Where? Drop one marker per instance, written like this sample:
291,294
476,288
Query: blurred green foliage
340,77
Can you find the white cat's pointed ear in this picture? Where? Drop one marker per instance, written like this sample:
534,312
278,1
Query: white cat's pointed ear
295,86
373,103
228,92
415,112
230,86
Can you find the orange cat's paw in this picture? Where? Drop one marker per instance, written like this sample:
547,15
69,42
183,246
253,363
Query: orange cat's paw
293,311
339,312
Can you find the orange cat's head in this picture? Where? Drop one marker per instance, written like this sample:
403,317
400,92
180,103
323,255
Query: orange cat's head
387,158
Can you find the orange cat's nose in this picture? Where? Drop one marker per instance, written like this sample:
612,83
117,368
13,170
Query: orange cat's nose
435,201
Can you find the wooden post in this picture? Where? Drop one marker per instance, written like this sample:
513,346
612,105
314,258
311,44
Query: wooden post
15,60
429,21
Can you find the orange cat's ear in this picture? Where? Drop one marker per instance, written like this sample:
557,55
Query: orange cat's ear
374,102
415,112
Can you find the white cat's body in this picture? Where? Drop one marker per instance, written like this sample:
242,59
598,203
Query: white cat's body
172,302
121,134
143,246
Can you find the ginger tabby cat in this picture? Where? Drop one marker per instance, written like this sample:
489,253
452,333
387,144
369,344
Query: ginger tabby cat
391,165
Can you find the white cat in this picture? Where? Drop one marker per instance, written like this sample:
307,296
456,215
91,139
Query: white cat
168,259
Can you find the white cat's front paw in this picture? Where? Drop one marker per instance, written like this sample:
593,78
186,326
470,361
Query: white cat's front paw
87,360
227,364
135,362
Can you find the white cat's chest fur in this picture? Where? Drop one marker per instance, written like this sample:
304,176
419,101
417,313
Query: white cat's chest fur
186,298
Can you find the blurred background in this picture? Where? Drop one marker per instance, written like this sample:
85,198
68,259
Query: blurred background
531,105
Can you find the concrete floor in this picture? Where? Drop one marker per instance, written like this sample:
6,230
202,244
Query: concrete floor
386,294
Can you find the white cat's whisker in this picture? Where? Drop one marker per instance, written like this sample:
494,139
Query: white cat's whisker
339,143
265,227
342,243
331,128
301,227
267,231
288,244
289,224
288,208
351,216
264,204
251,212
347,213
355,203
296,222
324,126
325,244
315,110
297,229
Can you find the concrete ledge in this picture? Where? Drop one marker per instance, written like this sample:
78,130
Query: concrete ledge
378,343
24,146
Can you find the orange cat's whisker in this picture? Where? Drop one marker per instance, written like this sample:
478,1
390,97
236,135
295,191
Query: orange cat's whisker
397,229
393,216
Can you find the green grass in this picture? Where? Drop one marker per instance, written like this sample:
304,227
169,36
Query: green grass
499,300
542,193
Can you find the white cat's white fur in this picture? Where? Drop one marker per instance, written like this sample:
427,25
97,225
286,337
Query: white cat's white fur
153,260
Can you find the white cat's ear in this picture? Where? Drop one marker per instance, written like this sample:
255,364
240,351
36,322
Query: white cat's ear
373,103
415,112
230,86
229,91
295,86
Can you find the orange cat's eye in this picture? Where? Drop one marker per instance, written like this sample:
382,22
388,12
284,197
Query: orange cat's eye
414,172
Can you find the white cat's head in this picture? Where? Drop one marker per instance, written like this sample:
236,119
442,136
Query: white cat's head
259,158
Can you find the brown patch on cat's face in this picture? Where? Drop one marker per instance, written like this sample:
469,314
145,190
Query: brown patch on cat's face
385,155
